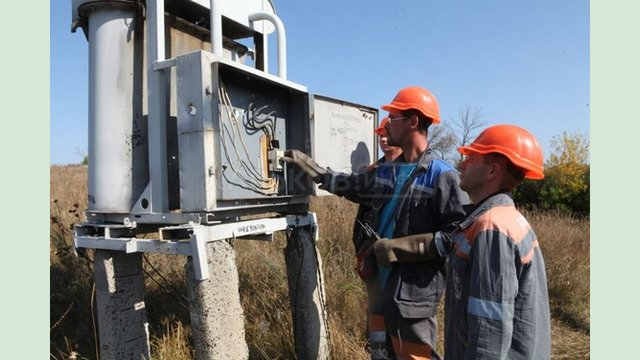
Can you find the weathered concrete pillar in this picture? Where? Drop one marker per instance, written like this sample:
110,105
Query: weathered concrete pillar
217,320
122,318
306,295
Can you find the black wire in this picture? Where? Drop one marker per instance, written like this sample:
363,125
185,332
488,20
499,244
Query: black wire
244,187
174,291
253,124
166,290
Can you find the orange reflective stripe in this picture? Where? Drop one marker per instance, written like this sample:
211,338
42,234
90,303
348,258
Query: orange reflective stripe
527,258
510,223
505,219
407,350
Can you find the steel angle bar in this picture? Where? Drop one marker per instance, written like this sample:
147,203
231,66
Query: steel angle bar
252,227
187,239
201,234
120,237
130,245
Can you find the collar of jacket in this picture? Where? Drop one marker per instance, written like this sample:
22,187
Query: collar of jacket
423,161
500,198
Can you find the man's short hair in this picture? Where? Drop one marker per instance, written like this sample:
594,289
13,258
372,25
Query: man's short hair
423,123
516,173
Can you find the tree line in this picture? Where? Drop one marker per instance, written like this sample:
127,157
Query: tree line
566,185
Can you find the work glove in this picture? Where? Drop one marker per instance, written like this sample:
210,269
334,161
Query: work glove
411,248
305,163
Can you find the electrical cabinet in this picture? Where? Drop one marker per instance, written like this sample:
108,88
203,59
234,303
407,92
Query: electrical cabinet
179,134
233,125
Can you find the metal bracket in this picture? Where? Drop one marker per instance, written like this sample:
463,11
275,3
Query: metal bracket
187,239
145,199
163,64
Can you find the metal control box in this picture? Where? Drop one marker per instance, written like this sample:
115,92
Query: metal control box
233,124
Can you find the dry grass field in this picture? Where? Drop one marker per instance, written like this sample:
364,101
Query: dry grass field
263,287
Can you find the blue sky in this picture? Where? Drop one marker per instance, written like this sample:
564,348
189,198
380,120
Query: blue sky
520,62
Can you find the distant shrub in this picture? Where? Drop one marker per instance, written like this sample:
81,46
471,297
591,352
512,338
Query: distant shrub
567,174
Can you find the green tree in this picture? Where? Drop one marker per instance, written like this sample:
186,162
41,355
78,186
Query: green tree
84,155
567,172
527,194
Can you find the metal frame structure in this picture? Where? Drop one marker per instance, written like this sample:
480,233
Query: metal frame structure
143,176
186,239
135,182
113,230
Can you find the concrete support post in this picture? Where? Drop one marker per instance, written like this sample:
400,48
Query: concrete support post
217,319
306,294
122,318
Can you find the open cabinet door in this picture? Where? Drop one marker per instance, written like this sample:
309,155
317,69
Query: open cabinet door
342,135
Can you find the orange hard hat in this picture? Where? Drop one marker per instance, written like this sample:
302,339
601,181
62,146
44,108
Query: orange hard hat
380,130
514,142
415,97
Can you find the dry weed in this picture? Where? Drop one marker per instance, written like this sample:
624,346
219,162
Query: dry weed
173,343
564,241
263,284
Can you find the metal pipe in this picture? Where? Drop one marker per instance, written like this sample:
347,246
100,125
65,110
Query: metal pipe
282,40
157,100
155,16
265,53
216,28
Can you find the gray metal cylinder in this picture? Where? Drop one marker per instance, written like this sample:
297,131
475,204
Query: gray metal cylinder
117,130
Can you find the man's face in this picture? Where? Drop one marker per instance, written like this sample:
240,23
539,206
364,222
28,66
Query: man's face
390,152
473,173
383,141
396,129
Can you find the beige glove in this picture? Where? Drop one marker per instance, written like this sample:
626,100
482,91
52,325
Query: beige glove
305,163
411,248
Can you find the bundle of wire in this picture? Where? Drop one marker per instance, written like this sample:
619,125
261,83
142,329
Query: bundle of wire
255,120
230,134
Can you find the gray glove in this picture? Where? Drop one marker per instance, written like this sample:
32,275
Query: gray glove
305,163
420,247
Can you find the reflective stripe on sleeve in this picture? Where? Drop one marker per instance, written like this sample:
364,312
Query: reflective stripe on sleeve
422,188
526,247
442,248
384,182
488,309
377,336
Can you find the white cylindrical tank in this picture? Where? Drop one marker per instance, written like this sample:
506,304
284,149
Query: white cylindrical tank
117,131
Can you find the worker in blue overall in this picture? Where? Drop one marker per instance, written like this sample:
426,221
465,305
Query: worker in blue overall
416,197
366,266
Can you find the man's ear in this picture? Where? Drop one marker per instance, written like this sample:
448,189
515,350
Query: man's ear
415,121
495,169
